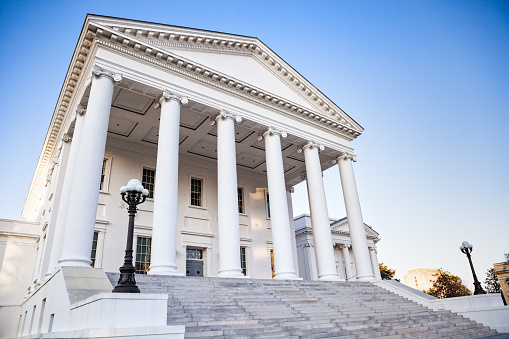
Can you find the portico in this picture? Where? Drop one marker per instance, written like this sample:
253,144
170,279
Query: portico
217,150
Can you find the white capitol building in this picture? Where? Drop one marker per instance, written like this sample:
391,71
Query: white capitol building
219,129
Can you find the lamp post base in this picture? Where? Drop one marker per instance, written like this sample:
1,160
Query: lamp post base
126,282
478,289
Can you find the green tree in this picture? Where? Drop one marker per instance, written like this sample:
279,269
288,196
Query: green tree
447,285
491,283
386,272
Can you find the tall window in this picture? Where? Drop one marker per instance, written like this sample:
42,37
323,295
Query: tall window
240,197
267,202
148,180
94,248
196,192
143,246
103,174
243,265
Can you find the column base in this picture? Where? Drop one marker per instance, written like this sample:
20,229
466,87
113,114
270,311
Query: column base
286,276
366,278
164,270
76,262
231,274
330,277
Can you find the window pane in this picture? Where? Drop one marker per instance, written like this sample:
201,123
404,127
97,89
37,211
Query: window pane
240,197
148,181
243,265
94,248
103,174
193,253
196,192
143,245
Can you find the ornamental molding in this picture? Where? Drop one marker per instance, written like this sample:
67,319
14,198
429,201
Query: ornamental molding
311,144
167,96
223,114
272,131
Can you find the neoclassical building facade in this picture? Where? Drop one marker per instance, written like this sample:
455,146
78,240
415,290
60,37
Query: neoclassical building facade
219,129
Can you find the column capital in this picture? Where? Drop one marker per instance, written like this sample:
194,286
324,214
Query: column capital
347,246
373,249
115,77
311,144
66,138
223,114
81,110
167,95
272,131
344,155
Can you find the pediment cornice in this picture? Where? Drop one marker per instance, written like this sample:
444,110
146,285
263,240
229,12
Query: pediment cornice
327,117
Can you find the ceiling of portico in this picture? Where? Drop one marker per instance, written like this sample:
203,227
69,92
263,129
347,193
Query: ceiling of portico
134,124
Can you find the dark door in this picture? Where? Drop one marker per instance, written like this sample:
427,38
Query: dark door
194,268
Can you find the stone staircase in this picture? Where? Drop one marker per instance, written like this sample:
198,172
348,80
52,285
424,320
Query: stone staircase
253,308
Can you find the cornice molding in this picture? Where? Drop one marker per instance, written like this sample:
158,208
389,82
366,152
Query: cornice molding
140,48
188,38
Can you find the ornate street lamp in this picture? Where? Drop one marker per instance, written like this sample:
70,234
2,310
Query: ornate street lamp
467,249
133,194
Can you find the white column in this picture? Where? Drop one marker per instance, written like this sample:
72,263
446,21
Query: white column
292,230
339,262
348,262
65,197
164,234
279,217
82,211
322,238
354,215
227,199
374,263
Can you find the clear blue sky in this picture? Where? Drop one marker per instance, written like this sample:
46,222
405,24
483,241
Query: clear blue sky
428,80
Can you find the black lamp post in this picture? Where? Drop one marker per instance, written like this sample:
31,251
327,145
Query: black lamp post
467,249
133,194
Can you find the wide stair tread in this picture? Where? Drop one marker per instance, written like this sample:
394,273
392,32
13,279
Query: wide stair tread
253,308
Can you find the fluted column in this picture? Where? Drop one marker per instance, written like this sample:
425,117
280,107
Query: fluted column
354,215
227,199
348,262
374,263
82,211
58,235
322,238
164,234
279,217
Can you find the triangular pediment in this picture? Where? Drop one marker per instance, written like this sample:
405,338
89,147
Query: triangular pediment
244,63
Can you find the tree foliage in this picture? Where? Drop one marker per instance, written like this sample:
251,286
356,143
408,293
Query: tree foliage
386,272
491,283
447,285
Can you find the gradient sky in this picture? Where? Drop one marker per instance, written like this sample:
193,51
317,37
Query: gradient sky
428,80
